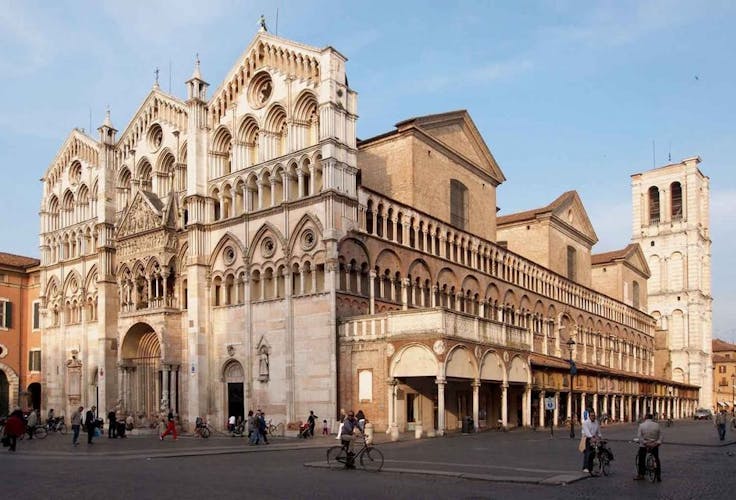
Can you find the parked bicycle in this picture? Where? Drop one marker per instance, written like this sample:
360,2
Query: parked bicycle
38,431
202,428
56,425
602,457
650,464
369,457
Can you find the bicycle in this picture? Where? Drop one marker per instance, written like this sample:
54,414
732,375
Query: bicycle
39,431
370,458
57,425
602,457
202,429
650,464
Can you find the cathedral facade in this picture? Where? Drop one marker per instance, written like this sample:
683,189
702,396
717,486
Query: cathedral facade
244,250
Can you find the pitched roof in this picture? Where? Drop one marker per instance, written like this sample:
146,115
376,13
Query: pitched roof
567,203
9,259
535,212
721,345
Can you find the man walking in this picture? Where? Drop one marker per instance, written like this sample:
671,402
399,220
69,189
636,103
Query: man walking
76,425
90,422
112,431
650,437
15,426
312,421
721,421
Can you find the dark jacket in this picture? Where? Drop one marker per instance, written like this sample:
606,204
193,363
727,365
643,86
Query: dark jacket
89,420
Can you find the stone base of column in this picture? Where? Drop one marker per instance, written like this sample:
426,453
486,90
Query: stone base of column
393,432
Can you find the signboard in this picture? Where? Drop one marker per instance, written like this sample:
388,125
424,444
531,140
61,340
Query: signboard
549,404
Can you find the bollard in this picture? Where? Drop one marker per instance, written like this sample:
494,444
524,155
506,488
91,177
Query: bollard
418,430
394,432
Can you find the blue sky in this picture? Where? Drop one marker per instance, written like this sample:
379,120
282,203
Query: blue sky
567,94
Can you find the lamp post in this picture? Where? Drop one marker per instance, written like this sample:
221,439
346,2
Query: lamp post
573,370
733,392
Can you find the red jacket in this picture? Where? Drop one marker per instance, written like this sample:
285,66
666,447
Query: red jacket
15,426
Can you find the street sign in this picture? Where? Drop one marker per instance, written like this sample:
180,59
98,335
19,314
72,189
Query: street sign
549,404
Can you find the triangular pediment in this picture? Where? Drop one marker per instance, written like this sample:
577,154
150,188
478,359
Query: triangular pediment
77,145
144,214
157,106
456,131
267,51
569,209
635,258
632,256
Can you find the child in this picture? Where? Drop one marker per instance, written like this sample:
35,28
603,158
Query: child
325,430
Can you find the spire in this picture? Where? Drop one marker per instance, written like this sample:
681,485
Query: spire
106,130
108,121
196,75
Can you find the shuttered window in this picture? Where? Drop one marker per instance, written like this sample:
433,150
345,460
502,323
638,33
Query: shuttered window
458,204
6,317
34,361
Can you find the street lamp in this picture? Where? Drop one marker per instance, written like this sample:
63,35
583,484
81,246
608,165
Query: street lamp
733,392
573,370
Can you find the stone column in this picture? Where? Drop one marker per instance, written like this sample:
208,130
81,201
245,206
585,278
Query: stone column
613,407
569,405
556,412
622,415
440,406
165,374
595,403
404,295
504,405
392,429
372,291
526,413
582,406
542,411
476,390
174,388
636,408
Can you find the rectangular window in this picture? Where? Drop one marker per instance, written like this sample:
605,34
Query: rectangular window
6,319
34,361
458,204
36,313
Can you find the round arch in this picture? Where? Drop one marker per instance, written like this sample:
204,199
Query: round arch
140,354
460,363
492,367
414,361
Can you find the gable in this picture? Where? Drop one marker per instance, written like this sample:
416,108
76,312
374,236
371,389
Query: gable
265,51
158,106
140,216
636,260
455,137
569,210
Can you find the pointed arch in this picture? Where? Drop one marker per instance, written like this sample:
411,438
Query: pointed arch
266,228
307,219
226,238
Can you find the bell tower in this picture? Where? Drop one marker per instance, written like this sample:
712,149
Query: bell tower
671,222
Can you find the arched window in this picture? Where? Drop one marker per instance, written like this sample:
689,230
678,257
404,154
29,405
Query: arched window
458,204
676,201
653,205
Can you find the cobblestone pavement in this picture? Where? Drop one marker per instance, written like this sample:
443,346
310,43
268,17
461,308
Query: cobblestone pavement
695,465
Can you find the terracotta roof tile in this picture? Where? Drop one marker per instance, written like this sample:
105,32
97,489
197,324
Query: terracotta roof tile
606,257
534,212
722,345
9,259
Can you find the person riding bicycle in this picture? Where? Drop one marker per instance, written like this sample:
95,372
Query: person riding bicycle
592,433
349,426
650,438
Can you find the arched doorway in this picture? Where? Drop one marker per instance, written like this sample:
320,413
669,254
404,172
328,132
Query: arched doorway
141,362
34,391
4,394
234,378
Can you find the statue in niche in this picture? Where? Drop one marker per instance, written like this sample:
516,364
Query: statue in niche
263,364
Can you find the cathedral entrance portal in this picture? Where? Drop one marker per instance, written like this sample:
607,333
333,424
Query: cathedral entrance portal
141,371
234,379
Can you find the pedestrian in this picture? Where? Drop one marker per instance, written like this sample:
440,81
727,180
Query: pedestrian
231,423
253,434
262,429
341,419
112,429
90,423
170,427
31,423
721,421
360,417
50,418
15,427
325,429
312,422
650,437
76,425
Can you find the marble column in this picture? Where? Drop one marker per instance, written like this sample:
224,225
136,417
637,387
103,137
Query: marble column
440,406
476,390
